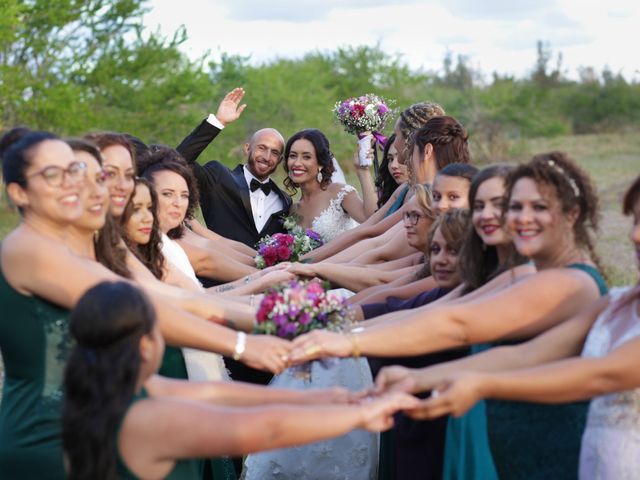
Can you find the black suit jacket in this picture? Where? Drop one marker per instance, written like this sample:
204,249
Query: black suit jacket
224,194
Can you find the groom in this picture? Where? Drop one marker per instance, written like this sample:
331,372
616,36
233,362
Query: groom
242,204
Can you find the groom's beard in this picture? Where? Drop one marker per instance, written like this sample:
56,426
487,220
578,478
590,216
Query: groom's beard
251,164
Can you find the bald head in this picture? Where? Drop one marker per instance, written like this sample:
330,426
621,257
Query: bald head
267,133
264,152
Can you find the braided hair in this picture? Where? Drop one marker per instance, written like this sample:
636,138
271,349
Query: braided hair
411,119
447,137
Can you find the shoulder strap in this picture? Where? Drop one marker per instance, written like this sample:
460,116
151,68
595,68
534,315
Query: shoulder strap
593,273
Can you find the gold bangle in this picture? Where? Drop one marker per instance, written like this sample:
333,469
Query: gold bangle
355,352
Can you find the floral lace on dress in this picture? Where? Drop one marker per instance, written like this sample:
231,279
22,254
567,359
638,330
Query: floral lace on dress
611,441
333,220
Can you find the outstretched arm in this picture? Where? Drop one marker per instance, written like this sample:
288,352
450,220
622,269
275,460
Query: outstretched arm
212,264
354,278
489,318
564,340
200,430
198,229
350,239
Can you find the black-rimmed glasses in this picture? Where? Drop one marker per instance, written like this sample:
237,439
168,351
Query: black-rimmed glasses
412,217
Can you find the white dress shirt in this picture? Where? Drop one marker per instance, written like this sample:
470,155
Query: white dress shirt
262,206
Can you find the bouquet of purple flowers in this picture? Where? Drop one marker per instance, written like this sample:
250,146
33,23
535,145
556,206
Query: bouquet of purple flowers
365,116
298,307
286,247
359,115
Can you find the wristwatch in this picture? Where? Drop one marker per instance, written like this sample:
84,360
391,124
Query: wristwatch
241,345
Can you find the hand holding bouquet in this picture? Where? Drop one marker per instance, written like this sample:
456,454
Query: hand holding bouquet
364,116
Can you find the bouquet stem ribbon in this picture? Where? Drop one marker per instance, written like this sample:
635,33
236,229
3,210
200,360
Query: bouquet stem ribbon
379,140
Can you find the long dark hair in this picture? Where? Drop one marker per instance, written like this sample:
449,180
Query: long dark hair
101,374
162,158
324,156
385,183
151,253
572,187
107,242
478,261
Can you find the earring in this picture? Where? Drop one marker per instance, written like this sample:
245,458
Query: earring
319,176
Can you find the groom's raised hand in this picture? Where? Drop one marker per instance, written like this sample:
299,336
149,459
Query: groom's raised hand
230,108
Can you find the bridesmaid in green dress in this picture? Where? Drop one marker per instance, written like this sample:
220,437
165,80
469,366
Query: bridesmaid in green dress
113,397
34,337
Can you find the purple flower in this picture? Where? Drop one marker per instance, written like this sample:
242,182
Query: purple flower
287,330
382,109
315,236
280,319
305,318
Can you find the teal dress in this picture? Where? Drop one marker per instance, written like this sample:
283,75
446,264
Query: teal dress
183,470
35,344
466,451
538,441
399,201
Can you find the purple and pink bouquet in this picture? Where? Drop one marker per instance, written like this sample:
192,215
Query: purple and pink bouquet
359,115
298,307
286,247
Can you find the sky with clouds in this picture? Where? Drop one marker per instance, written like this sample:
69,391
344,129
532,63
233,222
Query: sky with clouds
495,35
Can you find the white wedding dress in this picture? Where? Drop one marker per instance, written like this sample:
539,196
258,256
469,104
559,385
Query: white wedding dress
333,220
353,456
611,440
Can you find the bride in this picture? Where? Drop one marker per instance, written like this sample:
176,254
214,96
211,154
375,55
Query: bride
329,209
326,207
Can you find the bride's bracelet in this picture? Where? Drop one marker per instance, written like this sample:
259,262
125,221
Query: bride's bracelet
355,350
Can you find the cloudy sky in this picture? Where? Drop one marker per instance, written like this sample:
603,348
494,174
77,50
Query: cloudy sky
495,35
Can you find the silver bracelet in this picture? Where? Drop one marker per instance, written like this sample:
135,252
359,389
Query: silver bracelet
241,345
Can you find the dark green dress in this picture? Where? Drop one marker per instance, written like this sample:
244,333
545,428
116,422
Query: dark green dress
173,366
183,470
35,344
538,441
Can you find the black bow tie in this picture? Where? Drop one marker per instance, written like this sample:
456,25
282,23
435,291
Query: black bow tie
266,187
